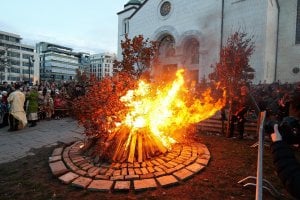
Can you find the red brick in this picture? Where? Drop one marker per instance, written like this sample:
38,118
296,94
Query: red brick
117,178
58,168
150,169
81,172
81,182
109,172
158,169
183,174
144,184
136,165
145,176
131,171
57,151
104,177
165,181
66,152
100,185
117,173
68,177
144,171
55,158
157,174
132,177
138,171
124,171
122,185
195,167
202,161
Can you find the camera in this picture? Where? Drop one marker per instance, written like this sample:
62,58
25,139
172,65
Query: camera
289,128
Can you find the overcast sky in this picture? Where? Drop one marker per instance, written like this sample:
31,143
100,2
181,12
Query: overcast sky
89,25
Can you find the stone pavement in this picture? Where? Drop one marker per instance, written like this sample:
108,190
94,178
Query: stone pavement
18,144
171,168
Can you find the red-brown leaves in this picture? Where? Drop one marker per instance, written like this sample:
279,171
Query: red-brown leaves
234,69
137,55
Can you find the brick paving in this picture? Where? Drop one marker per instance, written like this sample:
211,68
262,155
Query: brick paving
172,168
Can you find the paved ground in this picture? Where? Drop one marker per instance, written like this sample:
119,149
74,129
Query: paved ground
18,144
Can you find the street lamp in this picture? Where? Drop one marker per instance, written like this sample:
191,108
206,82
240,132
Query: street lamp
31,61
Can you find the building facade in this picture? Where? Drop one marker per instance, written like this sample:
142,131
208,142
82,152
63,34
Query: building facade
59,63
191,33
102,64
21,59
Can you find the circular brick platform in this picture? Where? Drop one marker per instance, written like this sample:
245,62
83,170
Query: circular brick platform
181,163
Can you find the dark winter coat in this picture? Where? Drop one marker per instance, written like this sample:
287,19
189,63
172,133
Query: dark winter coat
287,167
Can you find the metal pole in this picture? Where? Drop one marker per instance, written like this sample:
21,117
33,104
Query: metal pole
29,65
260,152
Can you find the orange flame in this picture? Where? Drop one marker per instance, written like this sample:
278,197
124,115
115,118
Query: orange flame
160,111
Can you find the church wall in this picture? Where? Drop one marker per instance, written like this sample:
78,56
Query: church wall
248,16
271,41
189,17
121,18
288,51
201,19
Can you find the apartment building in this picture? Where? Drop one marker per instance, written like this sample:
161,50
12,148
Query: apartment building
21,60
59,63
102,64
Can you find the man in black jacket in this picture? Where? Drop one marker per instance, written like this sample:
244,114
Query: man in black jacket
240,106
286,164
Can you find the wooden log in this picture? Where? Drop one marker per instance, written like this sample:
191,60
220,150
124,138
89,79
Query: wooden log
159,144
121,137
132,148
140,148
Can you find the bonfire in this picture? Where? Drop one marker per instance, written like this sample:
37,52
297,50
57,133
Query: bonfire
145,120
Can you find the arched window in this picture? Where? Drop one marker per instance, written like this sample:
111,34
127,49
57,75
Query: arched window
167,46
191,51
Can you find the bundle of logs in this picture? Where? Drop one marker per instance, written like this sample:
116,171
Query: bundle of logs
134,146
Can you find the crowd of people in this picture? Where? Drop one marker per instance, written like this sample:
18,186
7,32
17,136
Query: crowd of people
282,105
23,105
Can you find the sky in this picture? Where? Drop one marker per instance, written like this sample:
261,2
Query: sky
86,26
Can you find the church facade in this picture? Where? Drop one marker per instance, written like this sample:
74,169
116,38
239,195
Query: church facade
191,33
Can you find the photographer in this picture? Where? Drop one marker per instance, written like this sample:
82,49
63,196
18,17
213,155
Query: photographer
286,164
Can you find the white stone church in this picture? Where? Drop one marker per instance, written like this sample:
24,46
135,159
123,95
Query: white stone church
191,32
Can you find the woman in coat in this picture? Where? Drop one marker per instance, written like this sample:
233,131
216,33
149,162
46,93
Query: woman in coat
32,106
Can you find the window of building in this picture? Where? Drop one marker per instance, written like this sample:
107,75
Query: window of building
298,23
25,71
191,51
26,64
26,56
125,26
27,49
15,62
13,54
14,70
10,46
167,46
165,8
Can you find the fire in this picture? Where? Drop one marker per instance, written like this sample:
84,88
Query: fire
156,112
